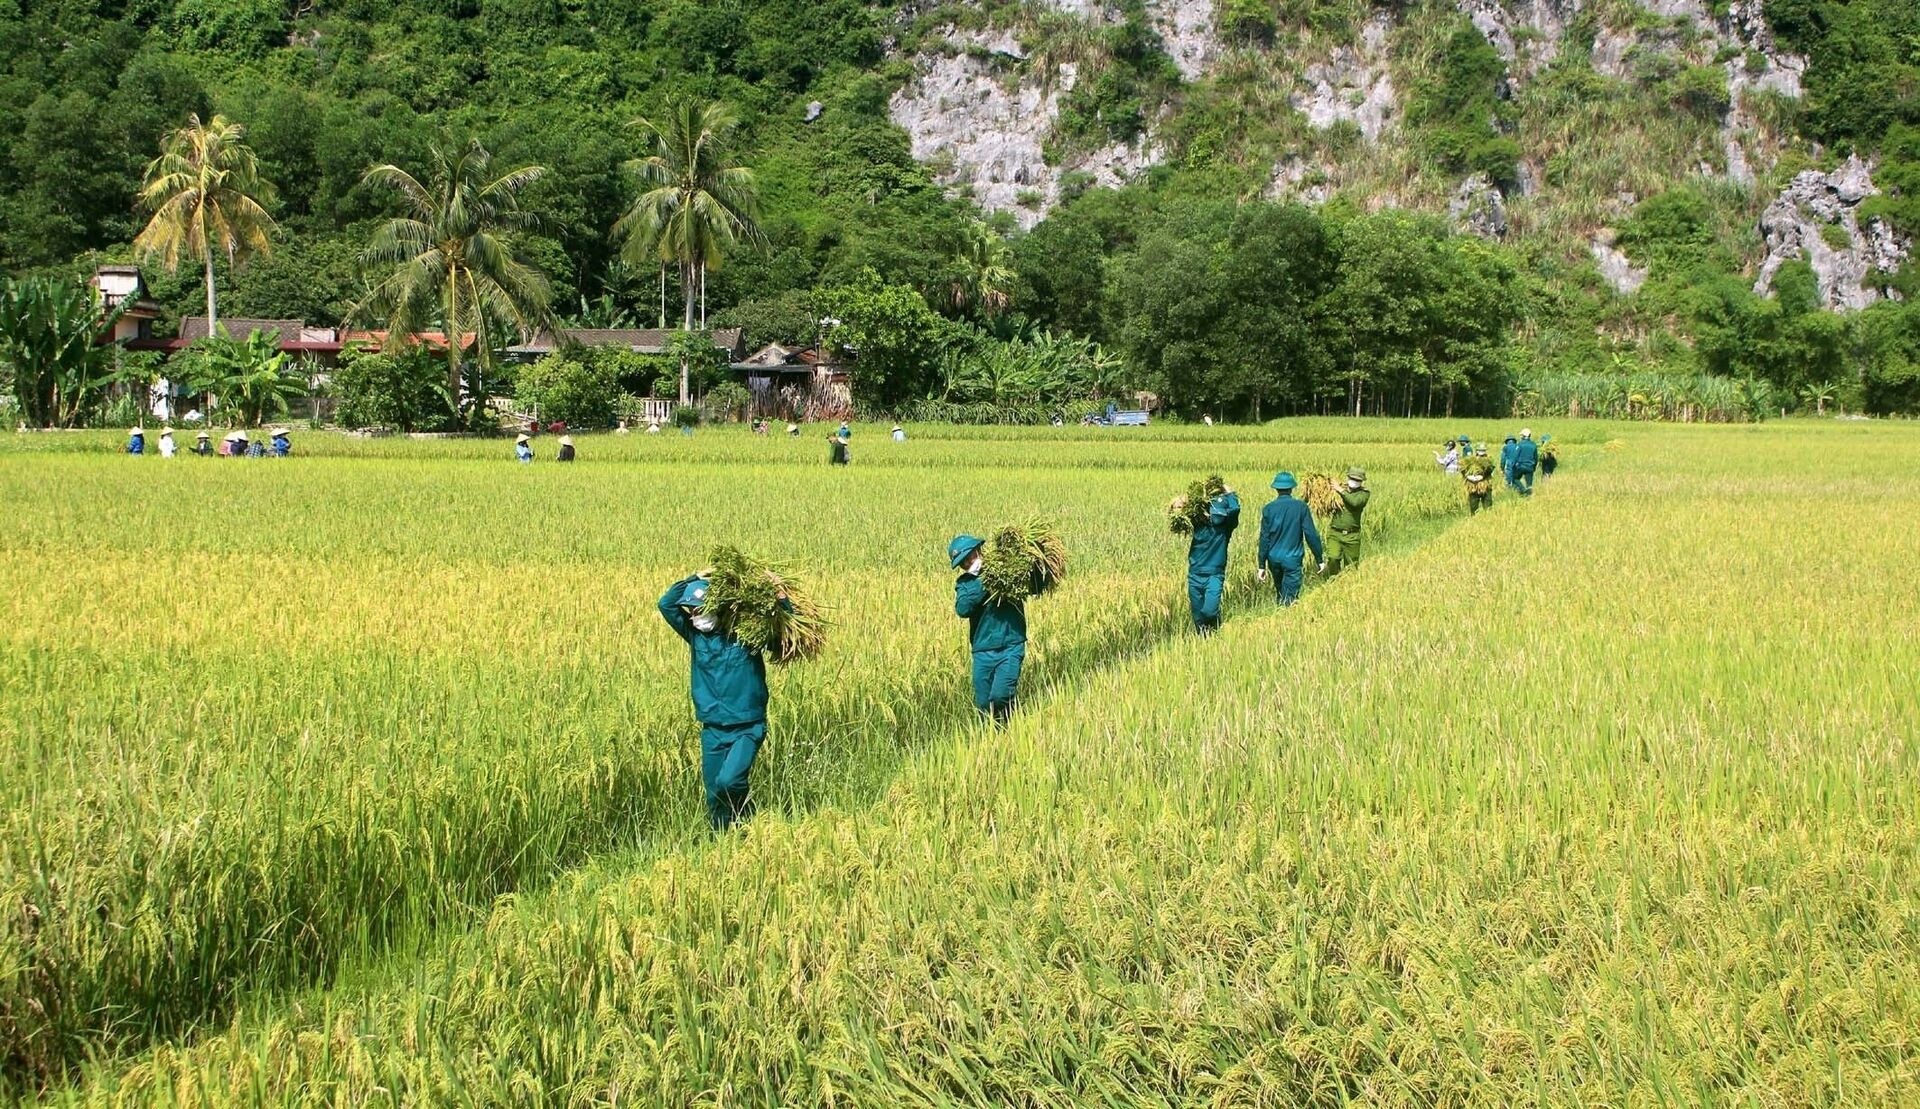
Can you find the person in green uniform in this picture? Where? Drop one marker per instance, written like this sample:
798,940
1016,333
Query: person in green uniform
1478,474
1285,525
729,688
1343,531
996,632
1207,560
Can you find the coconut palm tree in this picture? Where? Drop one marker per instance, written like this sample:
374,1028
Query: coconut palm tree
452,259
981,273
695,205
207,200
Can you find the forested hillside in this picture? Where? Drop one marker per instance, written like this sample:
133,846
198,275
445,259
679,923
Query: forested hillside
1253,206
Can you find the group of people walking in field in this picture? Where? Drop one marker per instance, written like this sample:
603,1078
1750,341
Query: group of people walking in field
729,681
234,444
1520,459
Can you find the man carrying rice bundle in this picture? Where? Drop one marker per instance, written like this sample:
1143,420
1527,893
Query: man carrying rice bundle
1286,525
1343,531
996,630
729,689
1478,474
1207,558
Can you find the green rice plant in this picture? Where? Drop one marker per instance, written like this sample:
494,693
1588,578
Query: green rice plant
1023,560
1189,510
765,606
1648,857
1321,494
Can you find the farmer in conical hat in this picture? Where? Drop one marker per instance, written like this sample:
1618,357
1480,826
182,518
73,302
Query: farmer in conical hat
837,452
1477,472
203,443
1343,531
1286,525
996,631
729,688
166,442
566,449
1207,560
523,448
1526,458
136,440
282,445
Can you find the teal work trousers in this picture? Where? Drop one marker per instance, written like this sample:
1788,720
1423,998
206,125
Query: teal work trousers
996,680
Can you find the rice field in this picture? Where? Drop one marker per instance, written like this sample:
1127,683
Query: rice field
368,777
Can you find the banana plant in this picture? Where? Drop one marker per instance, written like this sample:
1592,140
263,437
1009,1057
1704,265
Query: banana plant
50,340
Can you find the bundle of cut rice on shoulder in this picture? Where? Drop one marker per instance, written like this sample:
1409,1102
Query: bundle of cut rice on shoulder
1190,509
743,594
1321,494
1022,560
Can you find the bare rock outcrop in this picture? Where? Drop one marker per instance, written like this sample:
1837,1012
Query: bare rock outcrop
1478,206
1615,267
982,123
1816,217
1353,84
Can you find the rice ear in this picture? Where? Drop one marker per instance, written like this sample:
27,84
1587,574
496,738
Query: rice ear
743,594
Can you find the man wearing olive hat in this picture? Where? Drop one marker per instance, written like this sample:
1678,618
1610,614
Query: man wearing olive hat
729,689
996,631
1285,525
1478,474
1343,531
1207,560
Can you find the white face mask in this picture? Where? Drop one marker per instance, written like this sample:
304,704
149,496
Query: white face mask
704,622
975,563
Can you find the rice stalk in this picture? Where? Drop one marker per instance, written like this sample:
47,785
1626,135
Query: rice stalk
743,593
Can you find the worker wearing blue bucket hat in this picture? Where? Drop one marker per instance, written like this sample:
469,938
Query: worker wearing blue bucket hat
996,631
1286,526
729,687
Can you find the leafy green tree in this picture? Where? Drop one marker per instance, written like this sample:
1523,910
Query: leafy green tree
49,331
207,200
403,388
728,400
560,386
896,339
695,205
453,259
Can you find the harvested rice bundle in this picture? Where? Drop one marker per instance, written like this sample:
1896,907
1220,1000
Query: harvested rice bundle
1320,493
743,594
1189,510
1022,560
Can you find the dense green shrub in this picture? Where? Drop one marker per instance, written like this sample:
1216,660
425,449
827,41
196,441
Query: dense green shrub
570,386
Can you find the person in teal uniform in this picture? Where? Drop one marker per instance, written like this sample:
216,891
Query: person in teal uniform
1286,525
1526,459
729,690
1207,561
996,632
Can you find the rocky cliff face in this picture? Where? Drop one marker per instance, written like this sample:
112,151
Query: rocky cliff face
981,120
1817,217
981,116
